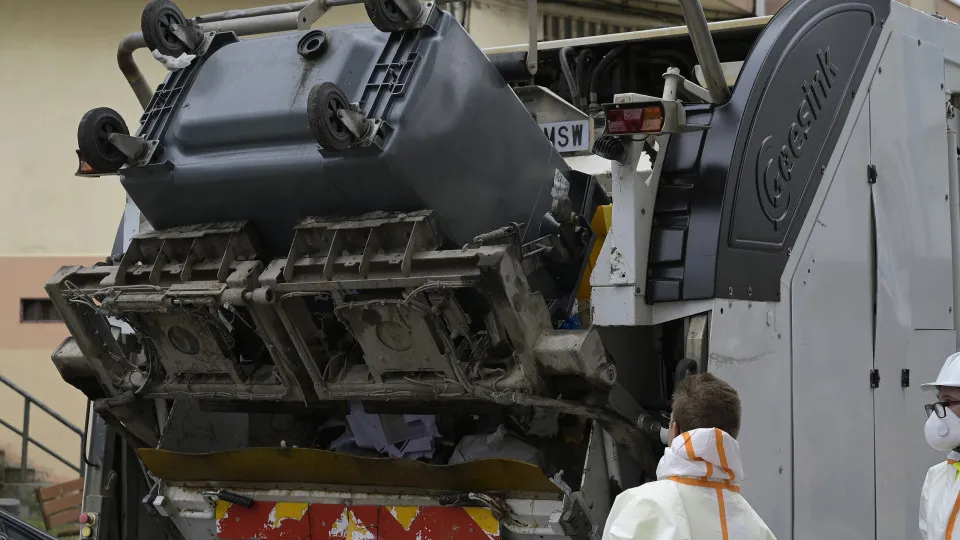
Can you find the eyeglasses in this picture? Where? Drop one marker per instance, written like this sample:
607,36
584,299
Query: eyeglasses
940,408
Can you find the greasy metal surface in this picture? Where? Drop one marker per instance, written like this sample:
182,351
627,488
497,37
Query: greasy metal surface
576,352
312,466
411,335
242,138
171,286
832,297
190,429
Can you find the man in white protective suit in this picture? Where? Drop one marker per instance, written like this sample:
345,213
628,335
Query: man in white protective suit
939,501
697,492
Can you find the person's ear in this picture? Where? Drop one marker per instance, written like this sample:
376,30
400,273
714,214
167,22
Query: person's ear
674,430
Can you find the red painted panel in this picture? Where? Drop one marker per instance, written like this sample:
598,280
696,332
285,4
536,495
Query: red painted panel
430,523
260,522
289,521
338,522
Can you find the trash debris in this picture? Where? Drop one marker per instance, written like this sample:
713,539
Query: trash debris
545,423
499,444
171,63
410,436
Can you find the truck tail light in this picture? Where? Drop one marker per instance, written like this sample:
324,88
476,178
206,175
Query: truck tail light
631,120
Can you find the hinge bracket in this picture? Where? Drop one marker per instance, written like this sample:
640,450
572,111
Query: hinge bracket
874,378
871,174
905,378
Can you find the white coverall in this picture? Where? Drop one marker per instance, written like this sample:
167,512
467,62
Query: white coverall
939,501
696,496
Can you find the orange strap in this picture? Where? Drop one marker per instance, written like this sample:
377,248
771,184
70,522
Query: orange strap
719,486
723,515
953,513
953,519
712,484
705,481
688,444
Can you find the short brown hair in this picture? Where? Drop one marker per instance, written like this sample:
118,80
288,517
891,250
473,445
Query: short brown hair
704,401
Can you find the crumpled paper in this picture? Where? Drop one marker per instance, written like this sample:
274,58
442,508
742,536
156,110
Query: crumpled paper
171,63
410,435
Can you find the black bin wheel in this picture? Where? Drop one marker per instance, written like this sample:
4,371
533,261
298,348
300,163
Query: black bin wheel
323,104
92,139
386,15
156,21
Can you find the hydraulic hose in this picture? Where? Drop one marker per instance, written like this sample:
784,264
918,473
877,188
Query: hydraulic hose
600,70
582,76
568,74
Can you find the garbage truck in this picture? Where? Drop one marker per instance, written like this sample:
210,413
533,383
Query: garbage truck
375,282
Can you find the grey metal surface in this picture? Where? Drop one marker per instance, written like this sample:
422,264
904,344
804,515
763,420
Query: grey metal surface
251,12
595,483
240,144
909,126
706,50
953,186
128,66
915,324
750,349
832,299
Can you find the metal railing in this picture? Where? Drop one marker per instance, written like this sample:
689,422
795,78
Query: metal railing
29,402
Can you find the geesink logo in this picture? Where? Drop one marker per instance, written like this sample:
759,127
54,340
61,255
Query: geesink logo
778,156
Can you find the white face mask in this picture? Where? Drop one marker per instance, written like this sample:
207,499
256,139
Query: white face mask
943,434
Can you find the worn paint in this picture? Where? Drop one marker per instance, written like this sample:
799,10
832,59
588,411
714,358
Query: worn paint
303,521
404,515
287,510
263,521
486,521
222,510
349,527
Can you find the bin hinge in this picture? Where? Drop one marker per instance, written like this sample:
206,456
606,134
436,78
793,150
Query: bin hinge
905,378
871,174
874,378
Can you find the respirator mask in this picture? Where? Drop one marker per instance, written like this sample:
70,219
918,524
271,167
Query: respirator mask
942,434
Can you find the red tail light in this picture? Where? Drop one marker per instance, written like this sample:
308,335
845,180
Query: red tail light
631,120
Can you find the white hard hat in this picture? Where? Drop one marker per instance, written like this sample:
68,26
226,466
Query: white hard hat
949,374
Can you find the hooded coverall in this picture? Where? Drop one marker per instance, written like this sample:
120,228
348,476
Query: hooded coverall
696,496
940,501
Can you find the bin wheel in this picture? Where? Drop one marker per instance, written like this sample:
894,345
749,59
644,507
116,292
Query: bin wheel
156,22
92,139
386,15
323,104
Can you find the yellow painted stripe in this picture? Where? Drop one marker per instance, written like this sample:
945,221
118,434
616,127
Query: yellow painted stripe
287,510
405,515
486,521
222,507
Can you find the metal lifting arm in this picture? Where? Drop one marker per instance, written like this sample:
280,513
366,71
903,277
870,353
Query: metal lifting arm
252,12
706,50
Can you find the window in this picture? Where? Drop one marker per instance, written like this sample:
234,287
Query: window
38,310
